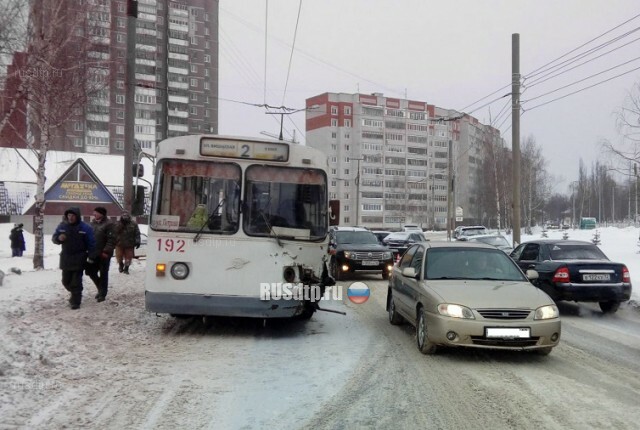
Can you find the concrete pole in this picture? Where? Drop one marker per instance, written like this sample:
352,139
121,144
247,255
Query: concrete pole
358,194
130,107
515,133
450,208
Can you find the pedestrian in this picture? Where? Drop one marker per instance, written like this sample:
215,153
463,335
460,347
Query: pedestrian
17,240
127,237
78,243
105,244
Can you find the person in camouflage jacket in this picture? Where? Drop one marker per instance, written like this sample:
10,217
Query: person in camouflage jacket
103,230
127,237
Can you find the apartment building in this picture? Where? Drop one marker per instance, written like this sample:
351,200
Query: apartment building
176,69
390,160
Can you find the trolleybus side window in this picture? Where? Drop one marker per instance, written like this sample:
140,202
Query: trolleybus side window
285,201
197,195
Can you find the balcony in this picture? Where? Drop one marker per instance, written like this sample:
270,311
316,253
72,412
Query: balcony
179,127
179,99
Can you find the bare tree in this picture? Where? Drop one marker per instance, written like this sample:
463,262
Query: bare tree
536,182
64,71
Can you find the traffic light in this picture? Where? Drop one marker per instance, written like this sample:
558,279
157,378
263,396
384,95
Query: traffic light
137,204
138,170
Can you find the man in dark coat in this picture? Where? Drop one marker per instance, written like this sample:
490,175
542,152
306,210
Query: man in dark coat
76,238
127,237
105,244
17,240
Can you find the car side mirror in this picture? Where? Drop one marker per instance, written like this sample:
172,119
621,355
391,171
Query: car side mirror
532,274
409,272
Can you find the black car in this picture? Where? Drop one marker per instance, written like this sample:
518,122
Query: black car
354,248
575,270
400,241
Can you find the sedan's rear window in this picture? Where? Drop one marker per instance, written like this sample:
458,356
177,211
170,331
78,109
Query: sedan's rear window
560,251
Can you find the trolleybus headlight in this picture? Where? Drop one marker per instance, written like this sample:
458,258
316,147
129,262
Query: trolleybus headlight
179,271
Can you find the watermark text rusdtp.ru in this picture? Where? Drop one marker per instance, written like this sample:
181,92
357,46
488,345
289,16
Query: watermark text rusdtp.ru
298,291
40,72
35,385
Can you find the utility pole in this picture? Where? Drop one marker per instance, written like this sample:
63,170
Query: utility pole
130,99
515,133
358,193
450,208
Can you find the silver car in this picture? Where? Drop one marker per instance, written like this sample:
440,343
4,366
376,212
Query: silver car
461,294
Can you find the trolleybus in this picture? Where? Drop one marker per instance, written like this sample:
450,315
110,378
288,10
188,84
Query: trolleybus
229,215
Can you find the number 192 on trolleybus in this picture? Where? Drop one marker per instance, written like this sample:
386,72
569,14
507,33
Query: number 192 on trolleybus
231,216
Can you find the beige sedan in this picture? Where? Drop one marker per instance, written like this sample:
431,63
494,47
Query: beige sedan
460,294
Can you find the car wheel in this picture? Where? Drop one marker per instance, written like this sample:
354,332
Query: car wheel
335,271
385,274
609,307
544,351
424,344
394,317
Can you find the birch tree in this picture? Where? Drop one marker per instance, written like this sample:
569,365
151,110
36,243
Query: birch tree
62,73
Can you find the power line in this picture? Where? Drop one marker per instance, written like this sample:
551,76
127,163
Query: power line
534,72
583,89
485,97
293,46
581,80
541,80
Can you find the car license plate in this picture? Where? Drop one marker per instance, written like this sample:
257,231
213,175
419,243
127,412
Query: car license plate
370,262
596,277
508,332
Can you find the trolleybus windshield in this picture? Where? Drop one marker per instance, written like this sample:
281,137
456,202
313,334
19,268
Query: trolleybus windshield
197,196
286,202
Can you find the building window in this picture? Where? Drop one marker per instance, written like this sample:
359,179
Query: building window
77,126
207,45
346,171
121,7
346,183
194,68
347,110
334,135
347,220
193,82
207,58
121,23
206,72
347,123
193,96
334,171
346,207
334,183
206,31
334,122
206,85
346,195
120,84
334,147
334,110
193,110
120,99
194,40
77,142
120,129
207,113
346,147
120,114
119,144
206,16
120,38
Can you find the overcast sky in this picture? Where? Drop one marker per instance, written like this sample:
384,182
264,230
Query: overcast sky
446,53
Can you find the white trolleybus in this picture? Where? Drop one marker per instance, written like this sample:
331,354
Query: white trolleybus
230,215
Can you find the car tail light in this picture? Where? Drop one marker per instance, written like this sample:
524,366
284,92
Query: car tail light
561,275
626,276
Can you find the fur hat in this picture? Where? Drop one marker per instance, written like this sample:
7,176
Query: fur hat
101,210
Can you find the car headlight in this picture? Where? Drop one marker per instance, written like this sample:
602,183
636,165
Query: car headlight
455,311
179,271
348,254
546,312
386,255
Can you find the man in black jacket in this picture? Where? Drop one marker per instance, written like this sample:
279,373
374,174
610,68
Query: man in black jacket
76,238
17,241
105,243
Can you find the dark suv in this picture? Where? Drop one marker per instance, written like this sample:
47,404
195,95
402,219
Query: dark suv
354,248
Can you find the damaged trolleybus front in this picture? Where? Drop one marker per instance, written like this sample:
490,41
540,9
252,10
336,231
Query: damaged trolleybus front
230,215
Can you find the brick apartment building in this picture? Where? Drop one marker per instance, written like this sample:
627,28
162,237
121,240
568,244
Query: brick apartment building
389,158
